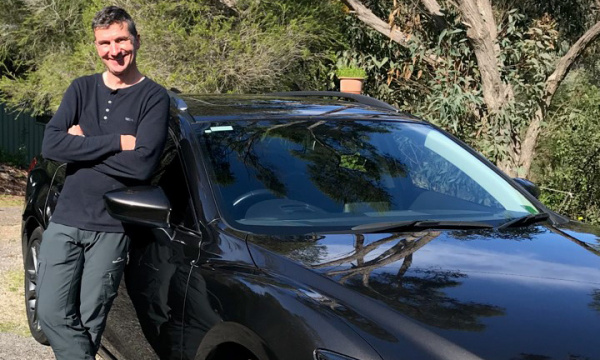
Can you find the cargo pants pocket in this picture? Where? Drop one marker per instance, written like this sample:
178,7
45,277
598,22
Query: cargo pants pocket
110,284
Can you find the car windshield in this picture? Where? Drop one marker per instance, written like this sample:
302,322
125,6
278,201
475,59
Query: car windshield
311,176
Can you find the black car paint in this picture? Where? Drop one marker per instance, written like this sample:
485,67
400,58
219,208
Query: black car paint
201,284
447,287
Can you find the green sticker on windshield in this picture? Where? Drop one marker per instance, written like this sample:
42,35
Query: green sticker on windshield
218,128
530,209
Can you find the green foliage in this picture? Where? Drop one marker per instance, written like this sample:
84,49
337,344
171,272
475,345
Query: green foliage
353,162
573,16
197,46
453,98
39,48
33,28
351,72
437,75
568,157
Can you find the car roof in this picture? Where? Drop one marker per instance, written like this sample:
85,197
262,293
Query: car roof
222,107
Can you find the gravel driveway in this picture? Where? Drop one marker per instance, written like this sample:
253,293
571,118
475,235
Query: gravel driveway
15,342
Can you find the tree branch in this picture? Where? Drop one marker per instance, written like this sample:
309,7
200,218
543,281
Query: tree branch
477,15
232,4
552,83
564,64
433,7
373,21
366,16
436,13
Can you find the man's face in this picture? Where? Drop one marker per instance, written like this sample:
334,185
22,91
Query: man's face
117,48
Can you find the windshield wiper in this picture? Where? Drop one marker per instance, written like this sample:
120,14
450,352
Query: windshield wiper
525,220
419,225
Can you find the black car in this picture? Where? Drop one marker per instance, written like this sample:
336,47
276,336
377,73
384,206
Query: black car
327,226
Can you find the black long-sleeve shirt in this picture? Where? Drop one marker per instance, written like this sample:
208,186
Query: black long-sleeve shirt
95,162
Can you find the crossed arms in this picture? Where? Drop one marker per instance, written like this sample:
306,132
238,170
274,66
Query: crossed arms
112,154
127,141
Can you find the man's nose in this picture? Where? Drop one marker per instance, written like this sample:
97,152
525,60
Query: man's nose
114,48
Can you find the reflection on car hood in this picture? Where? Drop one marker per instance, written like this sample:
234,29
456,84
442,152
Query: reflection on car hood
519,293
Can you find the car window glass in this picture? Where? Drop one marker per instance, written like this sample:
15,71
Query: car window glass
431,171
327,174
171,178
481,182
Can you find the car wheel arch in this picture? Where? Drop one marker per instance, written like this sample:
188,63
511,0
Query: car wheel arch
226,335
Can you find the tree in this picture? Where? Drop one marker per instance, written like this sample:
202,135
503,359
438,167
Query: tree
518,65
196,46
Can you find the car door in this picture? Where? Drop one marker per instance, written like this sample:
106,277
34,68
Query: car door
152,314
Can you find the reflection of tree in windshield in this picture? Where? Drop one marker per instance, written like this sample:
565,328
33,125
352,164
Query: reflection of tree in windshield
523,233
419,296
595,304
429,170
241,144
338,156
402,250
344,164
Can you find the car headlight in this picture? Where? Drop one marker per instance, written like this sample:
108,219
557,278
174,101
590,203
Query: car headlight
321,354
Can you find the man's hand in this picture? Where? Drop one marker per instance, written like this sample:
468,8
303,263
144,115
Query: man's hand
75,130
127,142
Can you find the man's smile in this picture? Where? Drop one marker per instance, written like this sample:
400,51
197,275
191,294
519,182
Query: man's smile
117,49
120,59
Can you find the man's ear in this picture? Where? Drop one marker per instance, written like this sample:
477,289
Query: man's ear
137,41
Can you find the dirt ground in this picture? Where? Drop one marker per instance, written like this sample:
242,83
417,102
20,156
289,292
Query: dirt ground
12,180
15,341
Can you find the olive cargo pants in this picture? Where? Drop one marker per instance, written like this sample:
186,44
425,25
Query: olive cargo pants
79,274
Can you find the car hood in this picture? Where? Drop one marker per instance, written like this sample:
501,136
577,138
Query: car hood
523,293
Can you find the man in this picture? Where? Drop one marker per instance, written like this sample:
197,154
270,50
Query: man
110,129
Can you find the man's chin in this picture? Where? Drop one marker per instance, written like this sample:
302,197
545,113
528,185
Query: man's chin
117,71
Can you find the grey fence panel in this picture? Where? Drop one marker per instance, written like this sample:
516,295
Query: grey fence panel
20,134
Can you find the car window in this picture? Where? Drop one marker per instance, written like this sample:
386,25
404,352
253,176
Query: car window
440,166
171,178
319,175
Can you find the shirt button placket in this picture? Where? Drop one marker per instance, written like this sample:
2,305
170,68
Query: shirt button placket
107,110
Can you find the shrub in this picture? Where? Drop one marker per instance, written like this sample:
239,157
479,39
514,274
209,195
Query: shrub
567,165
196,46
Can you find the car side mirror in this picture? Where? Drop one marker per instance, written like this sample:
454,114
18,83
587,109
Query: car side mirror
140,205
531,188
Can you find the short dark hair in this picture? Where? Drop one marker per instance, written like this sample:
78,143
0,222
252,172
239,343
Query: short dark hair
113,14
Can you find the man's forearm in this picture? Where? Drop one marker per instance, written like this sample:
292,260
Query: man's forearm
61,146
135,164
